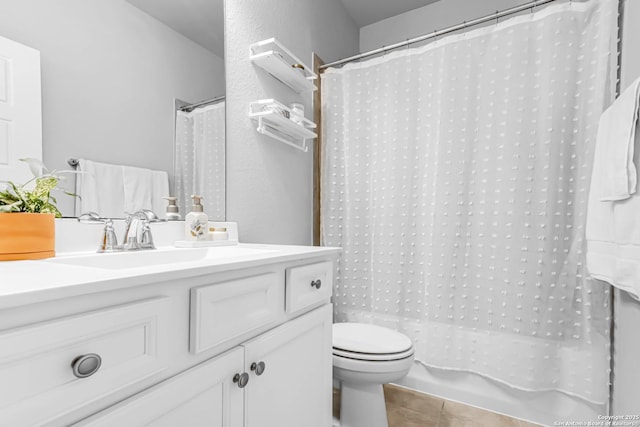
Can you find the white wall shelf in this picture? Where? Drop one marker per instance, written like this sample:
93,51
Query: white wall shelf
273,120
278,61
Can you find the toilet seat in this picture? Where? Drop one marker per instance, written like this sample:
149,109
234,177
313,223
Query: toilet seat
372,357
369,342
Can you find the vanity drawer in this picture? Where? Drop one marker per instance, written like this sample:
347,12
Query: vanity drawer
223,311
36,362
308,285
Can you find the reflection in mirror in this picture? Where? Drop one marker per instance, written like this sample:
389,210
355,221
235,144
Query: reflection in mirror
199,155
111,72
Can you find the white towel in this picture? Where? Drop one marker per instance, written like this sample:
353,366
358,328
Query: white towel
613,216
160,190
138,188
112,190
617,178
100,189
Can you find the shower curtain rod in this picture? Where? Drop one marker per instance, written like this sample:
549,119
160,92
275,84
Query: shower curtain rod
192,107
488,18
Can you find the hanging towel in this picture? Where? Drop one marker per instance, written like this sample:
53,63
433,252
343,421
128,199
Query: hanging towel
138,188
100,189
617,178
160,190
111,190
613,216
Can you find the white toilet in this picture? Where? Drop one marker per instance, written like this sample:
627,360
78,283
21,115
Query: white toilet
365,357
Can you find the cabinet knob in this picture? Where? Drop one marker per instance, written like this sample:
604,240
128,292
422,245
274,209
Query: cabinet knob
241,379
86,365
316,283
258,368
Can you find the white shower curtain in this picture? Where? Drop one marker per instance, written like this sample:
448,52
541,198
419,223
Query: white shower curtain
455,177
200,159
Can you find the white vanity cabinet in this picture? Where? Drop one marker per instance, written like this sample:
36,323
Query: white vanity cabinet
247,346
288,384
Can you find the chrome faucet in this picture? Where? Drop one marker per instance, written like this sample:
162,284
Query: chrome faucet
138,233
109,241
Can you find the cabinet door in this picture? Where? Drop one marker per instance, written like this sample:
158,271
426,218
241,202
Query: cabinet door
202,396
37,360
295,387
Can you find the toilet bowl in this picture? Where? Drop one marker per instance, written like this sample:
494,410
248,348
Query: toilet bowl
364,358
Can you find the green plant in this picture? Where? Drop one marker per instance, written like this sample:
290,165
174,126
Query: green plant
34,196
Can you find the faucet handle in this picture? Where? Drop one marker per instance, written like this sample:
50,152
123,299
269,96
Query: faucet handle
91,218
151,216
109,242
146,240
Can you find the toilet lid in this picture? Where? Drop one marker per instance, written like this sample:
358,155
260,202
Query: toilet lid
371,339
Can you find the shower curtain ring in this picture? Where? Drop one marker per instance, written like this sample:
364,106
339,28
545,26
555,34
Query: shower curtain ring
497,13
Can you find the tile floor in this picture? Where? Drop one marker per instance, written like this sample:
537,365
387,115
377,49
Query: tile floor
408,408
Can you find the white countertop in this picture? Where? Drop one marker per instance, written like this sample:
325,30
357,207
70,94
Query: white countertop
28,282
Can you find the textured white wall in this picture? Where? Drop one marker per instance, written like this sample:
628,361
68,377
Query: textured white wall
427,19
626,341
109,76
269,185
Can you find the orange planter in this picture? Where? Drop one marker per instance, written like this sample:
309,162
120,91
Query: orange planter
27,236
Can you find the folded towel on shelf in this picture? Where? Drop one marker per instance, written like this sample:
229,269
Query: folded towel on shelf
613,216
112,190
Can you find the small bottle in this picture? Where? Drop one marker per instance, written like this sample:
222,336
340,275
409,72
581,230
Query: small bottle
196,221
172,214
219,233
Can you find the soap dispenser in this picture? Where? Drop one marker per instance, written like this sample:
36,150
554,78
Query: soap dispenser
172,213
196,222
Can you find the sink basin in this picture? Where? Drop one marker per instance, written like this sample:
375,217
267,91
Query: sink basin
147,258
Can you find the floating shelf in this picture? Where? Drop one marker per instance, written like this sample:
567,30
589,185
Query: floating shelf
273,120
278,61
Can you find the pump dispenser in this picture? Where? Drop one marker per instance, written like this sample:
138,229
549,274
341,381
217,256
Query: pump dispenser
196,222
172,213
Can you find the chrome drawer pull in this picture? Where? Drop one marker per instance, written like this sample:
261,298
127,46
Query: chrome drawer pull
258,368
241,379
86,365
316,283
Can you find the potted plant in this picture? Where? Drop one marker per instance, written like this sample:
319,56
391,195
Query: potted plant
27,213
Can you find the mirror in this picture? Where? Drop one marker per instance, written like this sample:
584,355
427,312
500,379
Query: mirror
200,155
114,75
